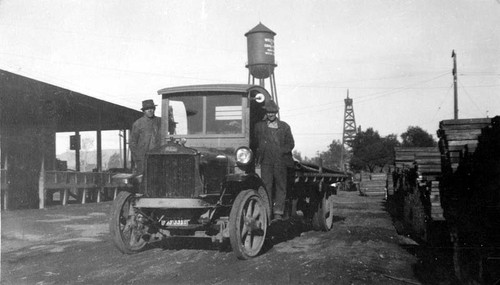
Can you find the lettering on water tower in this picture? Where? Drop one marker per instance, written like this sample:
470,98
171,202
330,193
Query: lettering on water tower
269,46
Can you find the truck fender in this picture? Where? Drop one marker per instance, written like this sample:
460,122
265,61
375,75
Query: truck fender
243,181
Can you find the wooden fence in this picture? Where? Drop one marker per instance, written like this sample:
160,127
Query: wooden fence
82,186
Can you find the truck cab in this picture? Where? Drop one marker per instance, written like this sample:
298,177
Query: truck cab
206,129
201,181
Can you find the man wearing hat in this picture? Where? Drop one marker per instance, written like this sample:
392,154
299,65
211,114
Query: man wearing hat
274,154
145,134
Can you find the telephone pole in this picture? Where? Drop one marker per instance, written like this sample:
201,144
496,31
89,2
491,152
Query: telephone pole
455,93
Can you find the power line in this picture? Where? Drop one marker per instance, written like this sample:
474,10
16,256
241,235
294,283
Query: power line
395,90
335,85
468,95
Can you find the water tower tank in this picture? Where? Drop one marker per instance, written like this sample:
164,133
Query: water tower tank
260,44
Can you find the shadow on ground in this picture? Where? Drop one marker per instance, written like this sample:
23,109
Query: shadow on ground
277,232
434,255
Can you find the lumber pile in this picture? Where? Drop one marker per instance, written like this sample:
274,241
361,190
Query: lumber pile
458,139
373,184
416,175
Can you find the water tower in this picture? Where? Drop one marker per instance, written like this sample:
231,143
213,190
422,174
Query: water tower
261,64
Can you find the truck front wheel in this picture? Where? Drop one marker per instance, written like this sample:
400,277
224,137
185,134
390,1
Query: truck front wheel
126,231
247,224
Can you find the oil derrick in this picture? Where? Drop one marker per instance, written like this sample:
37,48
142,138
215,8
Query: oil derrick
261,64
349,132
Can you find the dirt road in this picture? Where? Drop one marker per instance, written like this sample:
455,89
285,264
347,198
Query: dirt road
71,245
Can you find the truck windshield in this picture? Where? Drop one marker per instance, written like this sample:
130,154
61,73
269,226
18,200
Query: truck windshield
213,114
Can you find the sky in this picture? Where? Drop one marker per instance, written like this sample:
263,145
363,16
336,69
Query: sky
394,57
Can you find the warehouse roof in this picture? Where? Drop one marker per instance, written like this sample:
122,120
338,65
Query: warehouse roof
27,102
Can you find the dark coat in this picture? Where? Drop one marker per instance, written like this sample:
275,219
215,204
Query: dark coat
274,146
145,135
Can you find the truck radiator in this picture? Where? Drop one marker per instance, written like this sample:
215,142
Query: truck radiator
172,176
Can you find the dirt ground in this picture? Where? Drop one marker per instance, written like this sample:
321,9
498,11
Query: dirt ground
71,245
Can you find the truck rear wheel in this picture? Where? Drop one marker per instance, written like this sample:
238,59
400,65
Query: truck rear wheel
124,228
323,217
247,224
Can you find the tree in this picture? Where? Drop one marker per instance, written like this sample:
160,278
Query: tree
389,142
417,137
331,157
371,151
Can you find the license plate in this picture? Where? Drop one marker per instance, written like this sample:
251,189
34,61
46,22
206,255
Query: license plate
176,223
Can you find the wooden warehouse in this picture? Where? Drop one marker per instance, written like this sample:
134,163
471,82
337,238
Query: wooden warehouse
31,113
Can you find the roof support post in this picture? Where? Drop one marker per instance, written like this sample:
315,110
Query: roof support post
99,150
99,143
125,148
41,185
77,153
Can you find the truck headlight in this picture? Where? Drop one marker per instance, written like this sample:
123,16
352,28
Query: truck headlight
244,156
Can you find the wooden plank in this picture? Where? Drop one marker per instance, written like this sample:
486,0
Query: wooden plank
415,149
429,168
402,165
84,195
41,186
462,136
65,196
99,193
473,131
431,163
431,176
404,157
473,121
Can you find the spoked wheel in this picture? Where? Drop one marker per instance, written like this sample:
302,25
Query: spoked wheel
323,217
125,230
247,224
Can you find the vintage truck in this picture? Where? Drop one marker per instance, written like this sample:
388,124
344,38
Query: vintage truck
203,181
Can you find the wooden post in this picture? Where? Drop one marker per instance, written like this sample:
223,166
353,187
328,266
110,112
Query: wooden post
6,190
99,151
77,152
455,93
84,192
100,186
41,185
65,197
99,194
125,148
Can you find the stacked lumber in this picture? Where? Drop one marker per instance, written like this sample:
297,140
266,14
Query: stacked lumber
458,139
485,178
470,189
404,157
436,211
417,172
428,166
374,184
390,183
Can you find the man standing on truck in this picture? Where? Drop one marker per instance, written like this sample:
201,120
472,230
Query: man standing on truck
145,135
274,154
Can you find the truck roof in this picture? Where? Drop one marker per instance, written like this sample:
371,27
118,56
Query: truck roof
213,88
